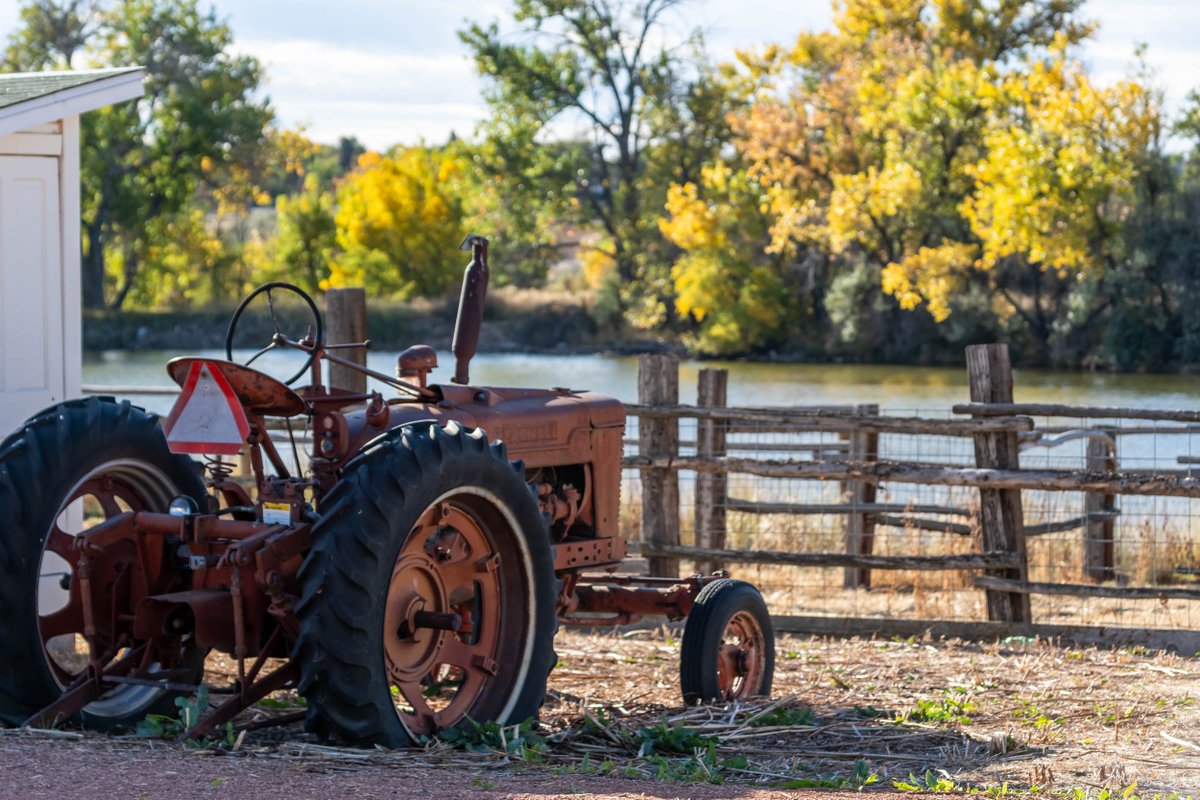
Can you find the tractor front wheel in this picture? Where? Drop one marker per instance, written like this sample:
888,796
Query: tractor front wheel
428,598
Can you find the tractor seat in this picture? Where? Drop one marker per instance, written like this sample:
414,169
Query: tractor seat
258,392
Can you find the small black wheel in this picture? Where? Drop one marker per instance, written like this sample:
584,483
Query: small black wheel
728,645
282,317
428,597
68,468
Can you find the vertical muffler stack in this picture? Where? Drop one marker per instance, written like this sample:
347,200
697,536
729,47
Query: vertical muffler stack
470,308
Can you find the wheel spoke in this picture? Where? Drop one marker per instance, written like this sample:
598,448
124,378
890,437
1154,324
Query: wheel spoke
456,574
62,544
261,352
457,653
424,717
271,308
65,620
108,503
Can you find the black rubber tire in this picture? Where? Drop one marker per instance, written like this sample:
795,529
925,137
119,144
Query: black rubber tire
703,635
365,521
40,465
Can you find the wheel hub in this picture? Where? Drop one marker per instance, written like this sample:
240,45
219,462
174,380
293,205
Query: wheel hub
740,659
416,589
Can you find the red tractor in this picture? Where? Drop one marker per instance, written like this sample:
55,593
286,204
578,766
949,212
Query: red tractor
404,577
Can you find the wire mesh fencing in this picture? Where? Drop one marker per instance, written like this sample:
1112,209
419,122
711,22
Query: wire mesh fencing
1108,504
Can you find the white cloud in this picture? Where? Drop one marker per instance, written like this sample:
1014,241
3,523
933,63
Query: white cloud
382,97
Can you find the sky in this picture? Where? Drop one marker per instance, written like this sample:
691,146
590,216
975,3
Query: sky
394,71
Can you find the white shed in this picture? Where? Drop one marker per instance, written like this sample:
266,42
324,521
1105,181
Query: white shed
40,316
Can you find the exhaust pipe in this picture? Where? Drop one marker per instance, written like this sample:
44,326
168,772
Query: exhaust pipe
470,308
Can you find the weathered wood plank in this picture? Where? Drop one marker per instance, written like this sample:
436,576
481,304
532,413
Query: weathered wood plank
919,523
712,488
761,507
658,383
825,421
1089,589
923,563
859,535
1184,642
1001,520
1005,409
1170,485
346,317
1099,545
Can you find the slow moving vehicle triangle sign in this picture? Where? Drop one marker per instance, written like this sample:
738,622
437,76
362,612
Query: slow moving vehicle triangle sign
207,417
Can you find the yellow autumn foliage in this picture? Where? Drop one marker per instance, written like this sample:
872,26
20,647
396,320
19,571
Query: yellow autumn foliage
933,138
399,222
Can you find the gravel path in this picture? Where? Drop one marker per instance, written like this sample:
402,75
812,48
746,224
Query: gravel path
34,767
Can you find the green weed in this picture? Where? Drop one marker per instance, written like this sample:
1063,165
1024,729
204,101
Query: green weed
516,740
929,782
948,709
796,715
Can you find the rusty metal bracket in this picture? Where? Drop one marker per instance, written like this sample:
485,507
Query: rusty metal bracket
243,699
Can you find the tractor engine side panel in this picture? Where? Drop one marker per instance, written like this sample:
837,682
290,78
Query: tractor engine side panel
545,429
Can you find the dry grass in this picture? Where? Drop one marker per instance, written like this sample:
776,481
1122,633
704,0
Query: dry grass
973,716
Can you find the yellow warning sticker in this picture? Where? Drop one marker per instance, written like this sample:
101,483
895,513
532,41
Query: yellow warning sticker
277,513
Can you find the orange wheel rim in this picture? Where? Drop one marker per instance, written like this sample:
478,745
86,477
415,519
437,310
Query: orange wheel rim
741,658
447,570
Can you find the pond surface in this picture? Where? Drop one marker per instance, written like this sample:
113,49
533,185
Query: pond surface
894,388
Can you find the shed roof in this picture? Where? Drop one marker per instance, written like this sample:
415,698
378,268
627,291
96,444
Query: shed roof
28,99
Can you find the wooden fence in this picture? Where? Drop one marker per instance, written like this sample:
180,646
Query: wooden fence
998,428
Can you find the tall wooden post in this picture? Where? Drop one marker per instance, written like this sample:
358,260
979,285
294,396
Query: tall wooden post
346,319
712,489
860,526
1001,518
1099,557
658,385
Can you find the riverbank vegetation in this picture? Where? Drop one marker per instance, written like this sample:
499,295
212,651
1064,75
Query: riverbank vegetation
923,175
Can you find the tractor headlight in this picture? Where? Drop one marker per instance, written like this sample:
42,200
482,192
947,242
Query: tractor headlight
182,506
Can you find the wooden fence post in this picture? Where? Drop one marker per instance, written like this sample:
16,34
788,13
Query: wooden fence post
1099,558
1001,518
658,385
346,319
712,488
860,526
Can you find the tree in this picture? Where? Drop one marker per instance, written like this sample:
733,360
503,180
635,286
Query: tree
740,295
198,124
953,154
399,222
613,67
307,235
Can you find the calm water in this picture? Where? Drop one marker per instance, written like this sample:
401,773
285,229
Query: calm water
894,388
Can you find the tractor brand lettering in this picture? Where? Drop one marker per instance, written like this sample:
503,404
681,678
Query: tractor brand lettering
524,434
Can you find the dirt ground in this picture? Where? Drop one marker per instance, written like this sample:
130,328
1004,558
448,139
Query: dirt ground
881,715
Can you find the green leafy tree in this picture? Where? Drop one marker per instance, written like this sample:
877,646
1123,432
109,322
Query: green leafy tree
518,192
198,124
307,235
615,69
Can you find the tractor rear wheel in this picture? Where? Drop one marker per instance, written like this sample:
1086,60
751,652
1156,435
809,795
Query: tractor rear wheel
69,468
428,597
728,648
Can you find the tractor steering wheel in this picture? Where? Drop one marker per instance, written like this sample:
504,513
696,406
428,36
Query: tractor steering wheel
309,343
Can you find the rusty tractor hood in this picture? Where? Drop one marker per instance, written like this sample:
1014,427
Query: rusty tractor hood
543,427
